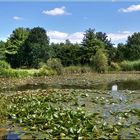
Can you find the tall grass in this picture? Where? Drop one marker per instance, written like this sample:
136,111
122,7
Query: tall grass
13,73
130,65
76,69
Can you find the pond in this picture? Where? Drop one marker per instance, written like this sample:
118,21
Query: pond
113,108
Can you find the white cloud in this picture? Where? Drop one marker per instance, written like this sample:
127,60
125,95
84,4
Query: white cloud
131,8
17,18
76,37
57,36
56,11
119,35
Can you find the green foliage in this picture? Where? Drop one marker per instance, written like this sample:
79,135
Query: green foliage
59,114
130,65
4,64
99,62
68,53
13,73
90,45
14,44
55,64
36,47
28,47
132,49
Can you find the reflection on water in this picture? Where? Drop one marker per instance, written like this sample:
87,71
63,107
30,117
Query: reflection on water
123,85
114,88
12,136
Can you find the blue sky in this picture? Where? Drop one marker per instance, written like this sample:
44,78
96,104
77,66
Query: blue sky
68,20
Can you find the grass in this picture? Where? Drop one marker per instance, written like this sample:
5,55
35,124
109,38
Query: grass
130,65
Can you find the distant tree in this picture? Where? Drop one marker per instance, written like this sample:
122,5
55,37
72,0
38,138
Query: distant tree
67,52
133,47
90,45
108,45
121,53
13,44
36,47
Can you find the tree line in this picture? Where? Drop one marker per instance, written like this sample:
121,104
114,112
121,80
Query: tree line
29,47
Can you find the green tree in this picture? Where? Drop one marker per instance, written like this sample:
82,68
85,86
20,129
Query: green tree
108,45
67,52
36,48
90,45
13,44
121,53
100,61
133,47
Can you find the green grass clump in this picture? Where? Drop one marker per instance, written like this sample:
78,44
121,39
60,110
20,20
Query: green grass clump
45,71
13,73
130,65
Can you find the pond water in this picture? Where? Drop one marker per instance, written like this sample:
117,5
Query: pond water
116,85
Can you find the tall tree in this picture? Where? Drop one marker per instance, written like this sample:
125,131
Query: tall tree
121,53
13,44
36,47
90,45
108,45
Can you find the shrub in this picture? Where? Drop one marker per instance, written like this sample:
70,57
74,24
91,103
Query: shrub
99,62
114,67
4,64
55,64
45,71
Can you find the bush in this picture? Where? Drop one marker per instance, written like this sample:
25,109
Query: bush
4,64
99,62
55,64
45,71
114,67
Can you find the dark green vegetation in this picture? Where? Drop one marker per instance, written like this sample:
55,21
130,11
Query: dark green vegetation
30,48
71,107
